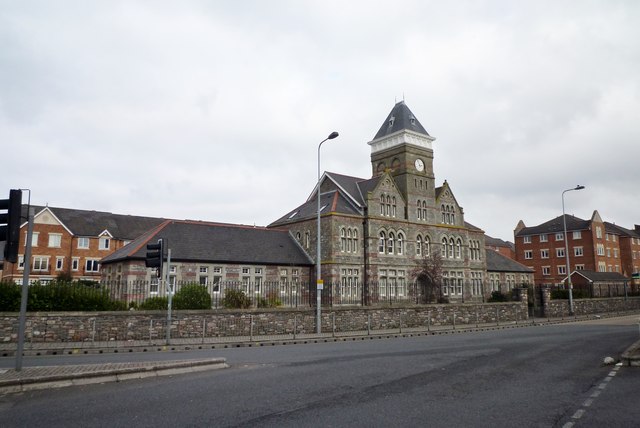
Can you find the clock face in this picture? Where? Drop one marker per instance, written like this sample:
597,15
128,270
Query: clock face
419,165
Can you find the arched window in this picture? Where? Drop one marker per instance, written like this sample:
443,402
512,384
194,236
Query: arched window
453,215
381,204
391,243
355,240
388,208
427,246
451,247
444,248
343,240
443,214
419,210
298,237
393,207
400,243
307,239
382,242
349,241
458,248
424,210
419,245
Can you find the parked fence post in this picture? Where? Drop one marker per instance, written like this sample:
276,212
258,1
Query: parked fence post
251,328
333,324
295,325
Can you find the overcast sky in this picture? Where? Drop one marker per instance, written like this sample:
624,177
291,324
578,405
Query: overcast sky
213,110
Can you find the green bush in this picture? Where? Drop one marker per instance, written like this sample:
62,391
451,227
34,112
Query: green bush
235,299
192,296
497,296
154,304
59,295
9,296
271,301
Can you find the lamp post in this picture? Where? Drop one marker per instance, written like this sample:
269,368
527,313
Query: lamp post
319,283
566,248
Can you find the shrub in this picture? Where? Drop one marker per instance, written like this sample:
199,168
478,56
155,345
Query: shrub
192,296
10,295
235,299
271,301
154,304
497,296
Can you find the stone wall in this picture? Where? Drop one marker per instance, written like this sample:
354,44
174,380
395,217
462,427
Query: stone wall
555,308
151,325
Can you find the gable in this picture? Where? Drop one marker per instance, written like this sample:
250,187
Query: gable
47,217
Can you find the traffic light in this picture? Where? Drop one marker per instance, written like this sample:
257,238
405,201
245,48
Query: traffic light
10,224
155,255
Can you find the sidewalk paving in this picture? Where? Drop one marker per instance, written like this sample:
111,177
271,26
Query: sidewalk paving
33,378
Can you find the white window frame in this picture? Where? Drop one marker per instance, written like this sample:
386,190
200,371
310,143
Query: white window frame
544,237
82,240
578,251
104,243
55,240
92,265
528,254
526,239
577,234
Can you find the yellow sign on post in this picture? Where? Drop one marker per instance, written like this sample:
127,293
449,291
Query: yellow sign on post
320,284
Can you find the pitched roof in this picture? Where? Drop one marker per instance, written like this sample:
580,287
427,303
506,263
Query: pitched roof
215,242
93,223
400,118
601,276
619,230
334,200
496,262
556,225
497,242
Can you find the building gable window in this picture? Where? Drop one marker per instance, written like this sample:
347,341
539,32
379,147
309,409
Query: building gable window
104,243
55,240
382,242
400,249
418,245
391,243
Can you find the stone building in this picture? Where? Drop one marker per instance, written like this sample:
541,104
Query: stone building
216,255
375,230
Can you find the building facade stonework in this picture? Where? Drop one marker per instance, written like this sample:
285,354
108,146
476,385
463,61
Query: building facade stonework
375,230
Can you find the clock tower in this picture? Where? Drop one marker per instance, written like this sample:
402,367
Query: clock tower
404,148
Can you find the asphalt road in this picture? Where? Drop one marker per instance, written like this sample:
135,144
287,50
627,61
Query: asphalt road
530,377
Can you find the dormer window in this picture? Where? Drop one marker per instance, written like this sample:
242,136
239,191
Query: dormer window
391,121
413,120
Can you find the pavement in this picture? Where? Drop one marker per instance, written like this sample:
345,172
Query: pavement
34,378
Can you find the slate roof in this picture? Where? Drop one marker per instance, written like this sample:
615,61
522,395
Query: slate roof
496,262
556,225
334,200
92,223
497,242
619,230
403,119
195,241
601,276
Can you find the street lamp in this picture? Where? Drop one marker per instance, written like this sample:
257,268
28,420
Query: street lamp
566,248
319,284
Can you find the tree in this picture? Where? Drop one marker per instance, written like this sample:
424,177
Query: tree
428,273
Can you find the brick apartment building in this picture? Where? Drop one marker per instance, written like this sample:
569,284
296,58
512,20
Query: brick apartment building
72,242
594,245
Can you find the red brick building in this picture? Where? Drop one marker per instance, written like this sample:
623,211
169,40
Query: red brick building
594,245
72,242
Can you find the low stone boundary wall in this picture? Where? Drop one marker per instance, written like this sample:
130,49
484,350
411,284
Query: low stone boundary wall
151,325
554,308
